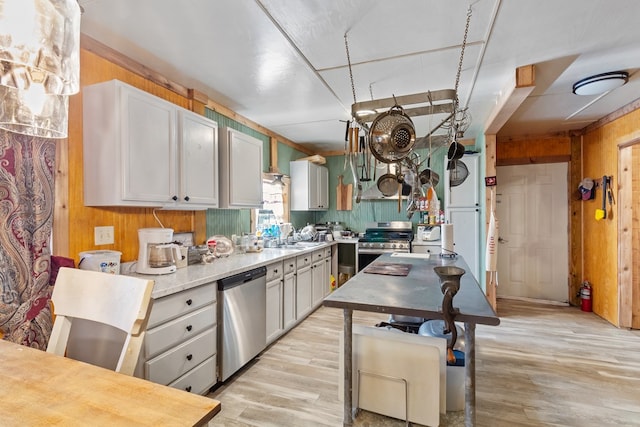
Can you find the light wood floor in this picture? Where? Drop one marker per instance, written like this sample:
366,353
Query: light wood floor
543,366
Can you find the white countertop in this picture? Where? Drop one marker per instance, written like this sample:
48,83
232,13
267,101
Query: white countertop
200,274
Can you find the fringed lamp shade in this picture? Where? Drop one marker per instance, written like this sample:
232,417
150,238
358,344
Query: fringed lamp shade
39,65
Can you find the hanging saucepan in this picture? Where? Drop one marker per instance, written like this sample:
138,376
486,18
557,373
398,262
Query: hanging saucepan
388,183
429,177
456,151
392,135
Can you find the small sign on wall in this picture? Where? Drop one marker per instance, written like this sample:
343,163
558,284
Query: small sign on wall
491,181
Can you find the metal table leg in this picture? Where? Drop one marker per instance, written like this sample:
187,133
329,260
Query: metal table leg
470,374
348,368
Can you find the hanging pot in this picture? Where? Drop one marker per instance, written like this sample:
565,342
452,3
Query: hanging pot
392,135
388,183
429,177
456,151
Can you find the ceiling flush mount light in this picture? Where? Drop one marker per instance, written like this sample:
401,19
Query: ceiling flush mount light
600,83
39,65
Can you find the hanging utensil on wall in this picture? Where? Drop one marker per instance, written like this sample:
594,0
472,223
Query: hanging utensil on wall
602,213
353,159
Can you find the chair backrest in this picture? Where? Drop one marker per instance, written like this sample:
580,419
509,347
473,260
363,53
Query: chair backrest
122,302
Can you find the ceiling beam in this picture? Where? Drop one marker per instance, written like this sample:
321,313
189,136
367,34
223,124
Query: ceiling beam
517,91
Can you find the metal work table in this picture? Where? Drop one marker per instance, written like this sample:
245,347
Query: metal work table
417,294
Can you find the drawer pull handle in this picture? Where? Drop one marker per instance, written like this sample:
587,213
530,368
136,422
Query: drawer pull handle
189,328
189,301
189,356
188,388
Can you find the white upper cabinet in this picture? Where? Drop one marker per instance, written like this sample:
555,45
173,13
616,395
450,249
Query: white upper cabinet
198,159
240,170
140,150
129,147
309,186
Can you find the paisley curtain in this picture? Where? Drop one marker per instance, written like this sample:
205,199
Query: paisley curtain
27,167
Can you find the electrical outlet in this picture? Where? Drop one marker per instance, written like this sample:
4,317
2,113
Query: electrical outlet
104,235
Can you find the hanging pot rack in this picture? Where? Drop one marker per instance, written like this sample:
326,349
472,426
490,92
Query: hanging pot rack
446,97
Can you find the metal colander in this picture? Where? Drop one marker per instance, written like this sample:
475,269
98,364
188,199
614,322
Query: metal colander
392,135
458,172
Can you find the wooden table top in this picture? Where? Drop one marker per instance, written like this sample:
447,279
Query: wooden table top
417,294
40,388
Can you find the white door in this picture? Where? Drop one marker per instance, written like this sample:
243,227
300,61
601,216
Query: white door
532,213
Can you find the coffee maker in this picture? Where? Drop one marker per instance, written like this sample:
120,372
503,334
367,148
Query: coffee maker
157,254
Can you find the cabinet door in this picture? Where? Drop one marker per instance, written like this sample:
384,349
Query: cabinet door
318,282
289,301
240,170
327,276
198,145
322,175
274,310
303,292
148,146
466,194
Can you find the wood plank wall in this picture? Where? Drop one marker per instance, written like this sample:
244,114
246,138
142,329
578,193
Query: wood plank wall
74,223
601,156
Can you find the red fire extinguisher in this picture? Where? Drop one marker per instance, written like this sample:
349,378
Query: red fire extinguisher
585,296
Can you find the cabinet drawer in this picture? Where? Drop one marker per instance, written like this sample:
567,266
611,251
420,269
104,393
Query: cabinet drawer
327,252
303,261
174,332
168,366
317,255
274,271
176,305
289,265
426,249
198,380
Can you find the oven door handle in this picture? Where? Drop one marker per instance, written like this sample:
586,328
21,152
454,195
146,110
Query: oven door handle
381,251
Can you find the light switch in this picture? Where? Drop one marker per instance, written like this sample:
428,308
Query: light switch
104,235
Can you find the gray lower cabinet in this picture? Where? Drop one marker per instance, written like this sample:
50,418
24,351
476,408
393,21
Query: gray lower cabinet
179,348
289,294
303,285
274,324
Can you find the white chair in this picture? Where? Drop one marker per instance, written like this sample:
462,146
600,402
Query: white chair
109,315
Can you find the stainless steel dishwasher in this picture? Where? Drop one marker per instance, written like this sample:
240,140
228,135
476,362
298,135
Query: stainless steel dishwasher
242,314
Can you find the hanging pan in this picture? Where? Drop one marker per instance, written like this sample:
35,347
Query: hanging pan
458,173
392,135
388,183
456,151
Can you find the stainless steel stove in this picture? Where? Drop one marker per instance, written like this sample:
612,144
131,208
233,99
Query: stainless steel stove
384,237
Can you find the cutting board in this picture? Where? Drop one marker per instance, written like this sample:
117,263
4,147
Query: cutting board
339,190
388,268
344,194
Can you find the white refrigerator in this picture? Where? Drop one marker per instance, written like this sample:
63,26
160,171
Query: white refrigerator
462,209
